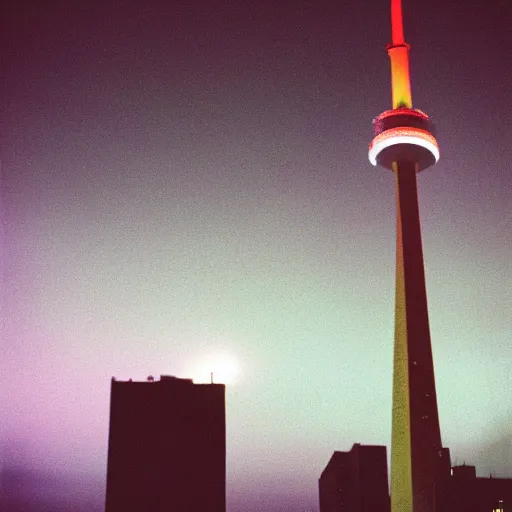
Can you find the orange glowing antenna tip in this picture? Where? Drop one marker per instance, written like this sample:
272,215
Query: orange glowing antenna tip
398,52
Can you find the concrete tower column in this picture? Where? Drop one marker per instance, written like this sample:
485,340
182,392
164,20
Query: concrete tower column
416,437
404,143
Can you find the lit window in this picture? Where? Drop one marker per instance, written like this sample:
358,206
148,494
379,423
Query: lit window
499,508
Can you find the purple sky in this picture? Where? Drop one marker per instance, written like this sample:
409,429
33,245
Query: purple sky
181,181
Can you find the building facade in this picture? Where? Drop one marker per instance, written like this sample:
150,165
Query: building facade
167,446
355,481
465,492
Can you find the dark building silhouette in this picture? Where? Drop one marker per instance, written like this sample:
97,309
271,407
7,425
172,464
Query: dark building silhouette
465,492
355,481
167,447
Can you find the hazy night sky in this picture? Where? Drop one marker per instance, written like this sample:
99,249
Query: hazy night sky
182,181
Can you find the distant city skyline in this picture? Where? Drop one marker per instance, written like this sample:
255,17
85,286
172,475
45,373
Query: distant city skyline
182,181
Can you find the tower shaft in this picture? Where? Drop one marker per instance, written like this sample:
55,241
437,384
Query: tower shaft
416,438
404,142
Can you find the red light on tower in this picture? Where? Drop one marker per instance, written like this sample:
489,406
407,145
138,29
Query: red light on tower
398,52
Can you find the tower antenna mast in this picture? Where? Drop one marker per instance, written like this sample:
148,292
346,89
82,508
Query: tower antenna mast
398,52
397,28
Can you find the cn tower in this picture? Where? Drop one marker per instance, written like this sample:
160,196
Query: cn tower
404,143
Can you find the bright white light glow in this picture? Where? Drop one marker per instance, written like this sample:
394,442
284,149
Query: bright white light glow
400,135
224,368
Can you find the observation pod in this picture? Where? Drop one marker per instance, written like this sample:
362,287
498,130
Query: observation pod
403,134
